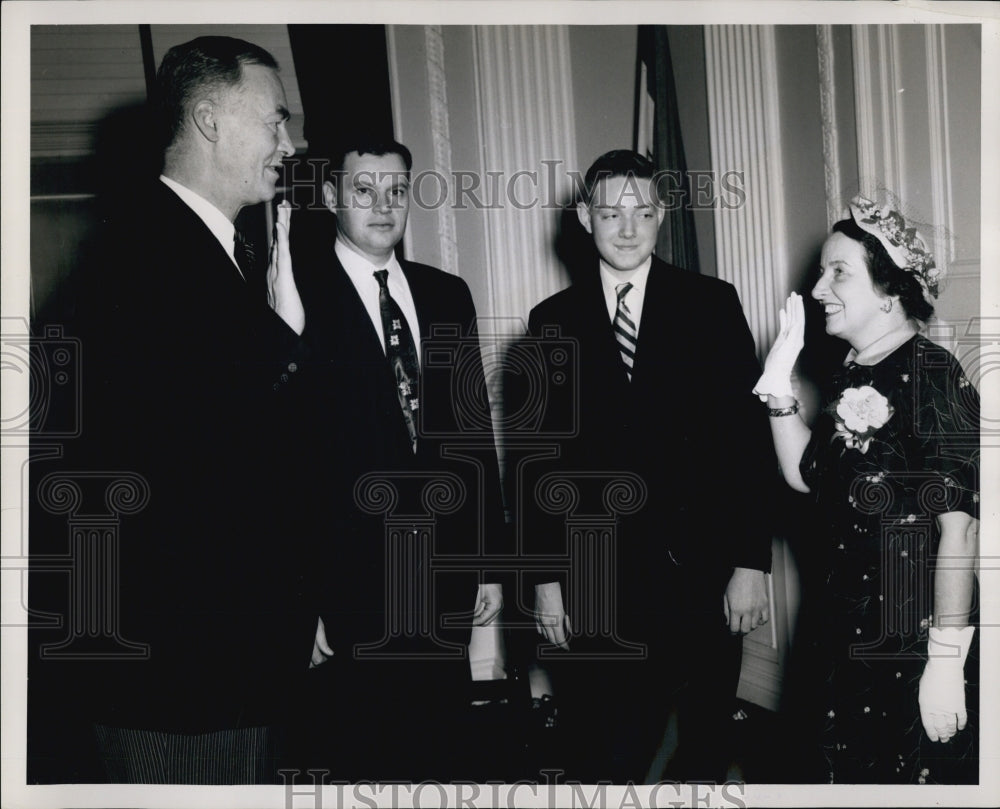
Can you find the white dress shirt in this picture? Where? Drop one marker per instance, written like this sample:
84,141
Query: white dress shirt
611,278
362,274
214,219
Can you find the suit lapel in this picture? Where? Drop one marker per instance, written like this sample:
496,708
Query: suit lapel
188,228
650,326
353,313
600,327
424,301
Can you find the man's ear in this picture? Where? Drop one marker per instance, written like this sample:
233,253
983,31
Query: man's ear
205,117
330,195
583,214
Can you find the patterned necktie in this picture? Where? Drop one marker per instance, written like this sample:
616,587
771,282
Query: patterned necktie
243,253
401,351
625,331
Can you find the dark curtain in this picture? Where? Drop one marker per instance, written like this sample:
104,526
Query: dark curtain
343,73
656,98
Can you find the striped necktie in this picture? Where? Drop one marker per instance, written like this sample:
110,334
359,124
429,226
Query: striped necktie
625,331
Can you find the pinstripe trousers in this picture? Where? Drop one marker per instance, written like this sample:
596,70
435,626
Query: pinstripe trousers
239,756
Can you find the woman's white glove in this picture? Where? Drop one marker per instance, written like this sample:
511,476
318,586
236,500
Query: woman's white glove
942,685
282,294
777,377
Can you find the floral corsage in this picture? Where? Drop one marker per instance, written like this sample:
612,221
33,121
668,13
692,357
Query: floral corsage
858,414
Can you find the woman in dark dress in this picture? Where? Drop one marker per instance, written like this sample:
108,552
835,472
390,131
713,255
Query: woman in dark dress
891,464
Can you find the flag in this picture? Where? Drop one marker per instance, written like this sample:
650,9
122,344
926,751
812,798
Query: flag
658,136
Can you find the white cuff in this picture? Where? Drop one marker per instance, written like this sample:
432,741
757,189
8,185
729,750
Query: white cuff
771,384
949,646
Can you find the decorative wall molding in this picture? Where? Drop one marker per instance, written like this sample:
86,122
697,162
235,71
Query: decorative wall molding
878,107
907,148
441,138
524,95
398,129
828,112
744,130
863,106
891,105
940,146
745,136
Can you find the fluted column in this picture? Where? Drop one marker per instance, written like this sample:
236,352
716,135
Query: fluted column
939,138
744,128
745,138
832,181
523,81
878,106
913,91
441,139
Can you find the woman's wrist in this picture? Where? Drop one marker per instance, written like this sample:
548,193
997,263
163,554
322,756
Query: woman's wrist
778,406
781,401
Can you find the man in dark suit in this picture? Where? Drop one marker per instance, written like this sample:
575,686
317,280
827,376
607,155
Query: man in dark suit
406,458
656,609
190,383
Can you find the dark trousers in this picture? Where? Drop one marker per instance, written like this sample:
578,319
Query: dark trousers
614,710
386,720
237,756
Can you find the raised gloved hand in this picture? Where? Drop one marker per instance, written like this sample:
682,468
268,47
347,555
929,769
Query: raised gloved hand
942,685
777,377
282,294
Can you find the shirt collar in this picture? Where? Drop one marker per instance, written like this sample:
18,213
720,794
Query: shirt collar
882,347
611,278
214,219
360,267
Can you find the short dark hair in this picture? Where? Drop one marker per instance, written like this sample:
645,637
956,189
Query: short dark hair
617,163
364,144
192,67
886,276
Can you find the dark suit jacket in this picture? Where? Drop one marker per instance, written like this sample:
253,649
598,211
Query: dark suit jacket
190,381
359,431
687,425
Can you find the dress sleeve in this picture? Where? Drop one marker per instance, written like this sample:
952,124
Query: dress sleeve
812,457
947,422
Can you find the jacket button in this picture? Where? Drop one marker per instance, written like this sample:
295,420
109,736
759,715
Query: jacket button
292,367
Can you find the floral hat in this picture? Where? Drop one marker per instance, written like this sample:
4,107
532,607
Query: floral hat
905,246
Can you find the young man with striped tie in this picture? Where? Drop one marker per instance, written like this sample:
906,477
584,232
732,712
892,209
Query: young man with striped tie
654,617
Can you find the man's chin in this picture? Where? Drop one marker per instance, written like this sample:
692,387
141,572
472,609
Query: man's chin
624,266
386,241
262,197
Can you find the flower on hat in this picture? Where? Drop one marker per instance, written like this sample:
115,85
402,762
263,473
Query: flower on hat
905,246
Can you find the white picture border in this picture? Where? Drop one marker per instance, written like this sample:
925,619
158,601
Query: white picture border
14,303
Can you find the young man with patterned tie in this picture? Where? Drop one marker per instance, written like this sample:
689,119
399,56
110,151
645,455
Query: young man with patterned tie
392,420
665,363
